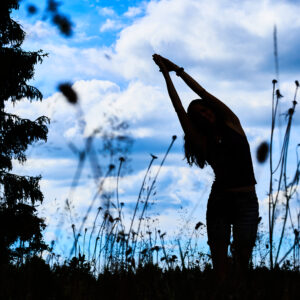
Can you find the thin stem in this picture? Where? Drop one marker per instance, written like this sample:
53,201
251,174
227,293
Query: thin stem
285,179
92,203
139,196
117,189
94,225
271,177
152,185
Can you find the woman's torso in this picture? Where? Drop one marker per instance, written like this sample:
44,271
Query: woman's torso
230,158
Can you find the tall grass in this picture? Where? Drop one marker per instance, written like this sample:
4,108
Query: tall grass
114,246
285,188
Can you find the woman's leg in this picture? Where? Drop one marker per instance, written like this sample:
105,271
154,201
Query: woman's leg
244,231
242,257
218,232
219,251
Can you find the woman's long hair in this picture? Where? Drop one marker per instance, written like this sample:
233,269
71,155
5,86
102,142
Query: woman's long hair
198,159
192,156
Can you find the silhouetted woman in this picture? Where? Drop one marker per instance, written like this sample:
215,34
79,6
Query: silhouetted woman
214,136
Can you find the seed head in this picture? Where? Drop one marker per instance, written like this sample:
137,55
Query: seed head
64,24
31,9
198,225
262,152
52,5
278,94
162,235
155,248
68,92
128,251
107,56
290,111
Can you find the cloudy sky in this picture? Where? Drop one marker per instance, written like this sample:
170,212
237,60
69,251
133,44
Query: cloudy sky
227,46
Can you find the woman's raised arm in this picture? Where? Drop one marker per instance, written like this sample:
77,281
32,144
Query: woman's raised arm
197,139
218,105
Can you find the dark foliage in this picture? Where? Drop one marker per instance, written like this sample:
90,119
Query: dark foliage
36,280
20,228
62,22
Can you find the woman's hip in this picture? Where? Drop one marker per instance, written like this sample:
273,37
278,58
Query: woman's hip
233,208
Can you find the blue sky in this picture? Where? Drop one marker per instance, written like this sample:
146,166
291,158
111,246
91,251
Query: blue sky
226,45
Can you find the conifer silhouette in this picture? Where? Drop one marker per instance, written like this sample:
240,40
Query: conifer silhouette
20,227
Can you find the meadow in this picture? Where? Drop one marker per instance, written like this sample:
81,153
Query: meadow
111,261
116,255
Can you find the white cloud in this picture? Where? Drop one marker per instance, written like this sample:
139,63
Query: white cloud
142,132
213,41
144,107
225,54
132,12
39,30
111,25
197,33
106,11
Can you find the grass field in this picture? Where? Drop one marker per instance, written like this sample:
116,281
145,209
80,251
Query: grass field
36,280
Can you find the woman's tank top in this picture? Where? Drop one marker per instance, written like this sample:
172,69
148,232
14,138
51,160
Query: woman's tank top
230,158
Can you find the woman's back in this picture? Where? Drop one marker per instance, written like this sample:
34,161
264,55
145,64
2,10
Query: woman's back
230,158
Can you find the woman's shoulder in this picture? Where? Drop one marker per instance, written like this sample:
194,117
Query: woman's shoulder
236,126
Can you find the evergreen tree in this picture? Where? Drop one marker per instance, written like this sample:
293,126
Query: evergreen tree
20,227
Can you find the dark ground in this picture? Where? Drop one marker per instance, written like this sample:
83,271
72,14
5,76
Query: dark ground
36,280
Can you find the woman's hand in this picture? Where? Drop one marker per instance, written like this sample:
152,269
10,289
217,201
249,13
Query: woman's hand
157,59
169,64
160,62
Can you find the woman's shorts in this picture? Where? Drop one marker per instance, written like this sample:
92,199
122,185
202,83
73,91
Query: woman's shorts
239,209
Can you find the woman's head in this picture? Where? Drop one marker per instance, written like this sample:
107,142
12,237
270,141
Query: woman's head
204,119
201,113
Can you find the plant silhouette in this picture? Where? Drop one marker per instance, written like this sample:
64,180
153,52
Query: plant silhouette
118,259
18,220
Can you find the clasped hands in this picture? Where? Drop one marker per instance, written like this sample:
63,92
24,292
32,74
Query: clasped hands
164,64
